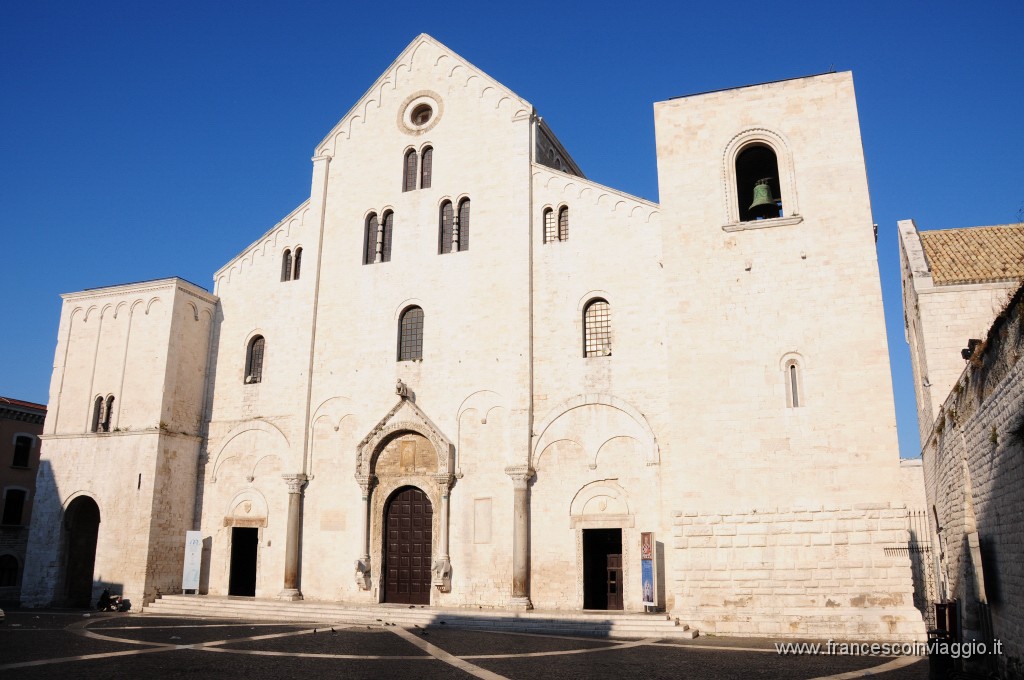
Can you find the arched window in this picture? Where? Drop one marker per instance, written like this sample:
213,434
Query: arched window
370,239
385,248
563,223
757,183
409,172
8,571
597,329
286,266
794,384
550,230
254,360
463,224
97,414
22,451
426,167
108,414
297,266
446,221
410,334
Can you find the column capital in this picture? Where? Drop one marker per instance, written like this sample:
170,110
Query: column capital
324,157
443,480
520,474
366,483
295,482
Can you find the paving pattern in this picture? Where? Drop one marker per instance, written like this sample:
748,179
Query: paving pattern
73,645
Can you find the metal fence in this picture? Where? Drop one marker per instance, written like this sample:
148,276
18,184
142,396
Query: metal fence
922,563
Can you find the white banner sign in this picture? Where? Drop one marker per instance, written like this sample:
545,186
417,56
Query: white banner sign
193,560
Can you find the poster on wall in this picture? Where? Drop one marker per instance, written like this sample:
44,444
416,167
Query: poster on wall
193,560
647,568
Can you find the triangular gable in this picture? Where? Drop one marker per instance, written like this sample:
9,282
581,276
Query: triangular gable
422,47
405,416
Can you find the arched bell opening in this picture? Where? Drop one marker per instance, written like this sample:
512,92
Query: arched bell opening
408,547
81,529
757,183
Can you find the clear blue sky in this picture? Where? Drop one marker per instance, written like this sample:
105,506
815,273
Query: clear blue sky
142,140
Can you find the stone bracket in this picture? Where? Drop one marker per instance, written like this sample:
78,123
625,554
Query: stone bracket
362,574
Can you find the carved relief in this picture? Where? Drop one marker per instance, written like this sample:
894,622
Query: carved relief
407,454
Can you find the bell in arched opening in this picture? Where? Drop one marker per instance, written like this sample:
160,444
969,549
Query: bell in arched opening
764,205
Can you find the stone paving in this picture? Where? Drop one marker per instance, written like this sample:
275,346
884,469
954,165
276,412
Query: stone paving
74,644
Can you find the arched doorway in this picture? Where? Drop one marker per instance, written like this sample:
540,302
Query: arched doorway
82,527
407,523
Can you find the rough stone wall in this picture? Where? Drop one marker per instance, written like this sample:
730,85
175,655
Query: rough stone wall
974,476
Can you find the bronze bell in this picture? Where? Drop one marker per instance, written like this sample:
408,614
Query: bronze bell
763,195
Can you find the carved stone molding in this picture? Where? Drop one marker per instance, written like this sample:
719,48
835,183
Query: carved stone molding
520,474
295,482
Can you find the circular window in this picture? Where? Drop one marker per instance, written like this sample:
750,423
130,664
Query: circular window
421,114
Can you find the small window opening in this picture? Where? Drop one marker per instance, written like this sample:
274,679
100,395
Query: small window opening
97,414
597,329
794,392
286,266
421,115
446,221
462,225
14,504
385,237
426,167
410,335
370,239
563,223
108,414
297,266
22,450
550,230
409,172
757,184
254,360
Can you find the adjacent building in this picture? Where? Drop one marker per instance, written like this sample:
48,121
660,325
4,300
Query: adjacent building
21,423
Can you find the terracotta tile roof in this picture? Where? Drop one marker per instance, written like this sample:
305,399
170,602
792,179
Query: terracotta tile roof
975,254
7,401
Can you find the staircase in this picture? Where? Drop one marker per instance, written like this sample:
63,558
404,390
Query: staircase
603,624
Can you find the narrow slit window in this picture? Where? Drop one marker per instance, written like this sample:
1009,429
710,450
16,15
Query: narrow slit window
550,231
463,224
426,167
794,391
563,223
297,266
410,335
254,360
444,232
286,266
97,414
108,414
409,172
597,329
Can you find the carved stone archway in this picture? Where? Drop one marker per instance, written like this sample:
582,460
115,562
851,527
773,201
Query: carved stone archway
404,448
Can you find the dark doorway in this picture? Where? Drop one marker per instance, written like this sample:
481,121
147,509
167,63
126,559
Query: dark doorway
243,561
408,520
82,524
602,569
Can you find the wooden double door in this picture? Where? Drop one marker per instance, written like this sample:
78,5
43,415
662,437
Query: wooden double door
407,522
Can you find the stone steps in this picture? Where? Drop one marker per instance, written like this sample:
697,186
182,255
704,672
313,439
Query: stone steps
625,625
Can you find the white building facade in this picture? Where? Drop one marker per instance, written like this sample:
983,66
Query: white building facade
462,374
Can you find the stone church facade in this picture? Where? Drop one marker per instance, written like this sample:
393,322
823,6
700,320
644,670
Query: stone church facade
463,374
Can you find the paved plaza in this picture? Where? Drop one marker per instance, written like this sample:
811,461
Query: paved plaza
74,644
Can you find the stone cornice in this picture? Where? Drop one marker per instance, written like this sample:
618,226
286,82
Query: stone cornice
124,433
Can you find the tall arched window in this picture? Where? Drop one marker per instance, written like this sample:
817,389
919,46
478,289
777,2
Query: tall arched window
550,230
254,360
286,266
410,334
388,226
563,223
757,183
370,239
22,451
597,328
97,414
108,414
446,221
297,266
426,167
409,172
14,506
463,224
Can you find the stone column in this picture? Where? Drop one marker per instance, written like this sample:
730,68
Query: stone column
520,475
442,565
366,484
291,550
